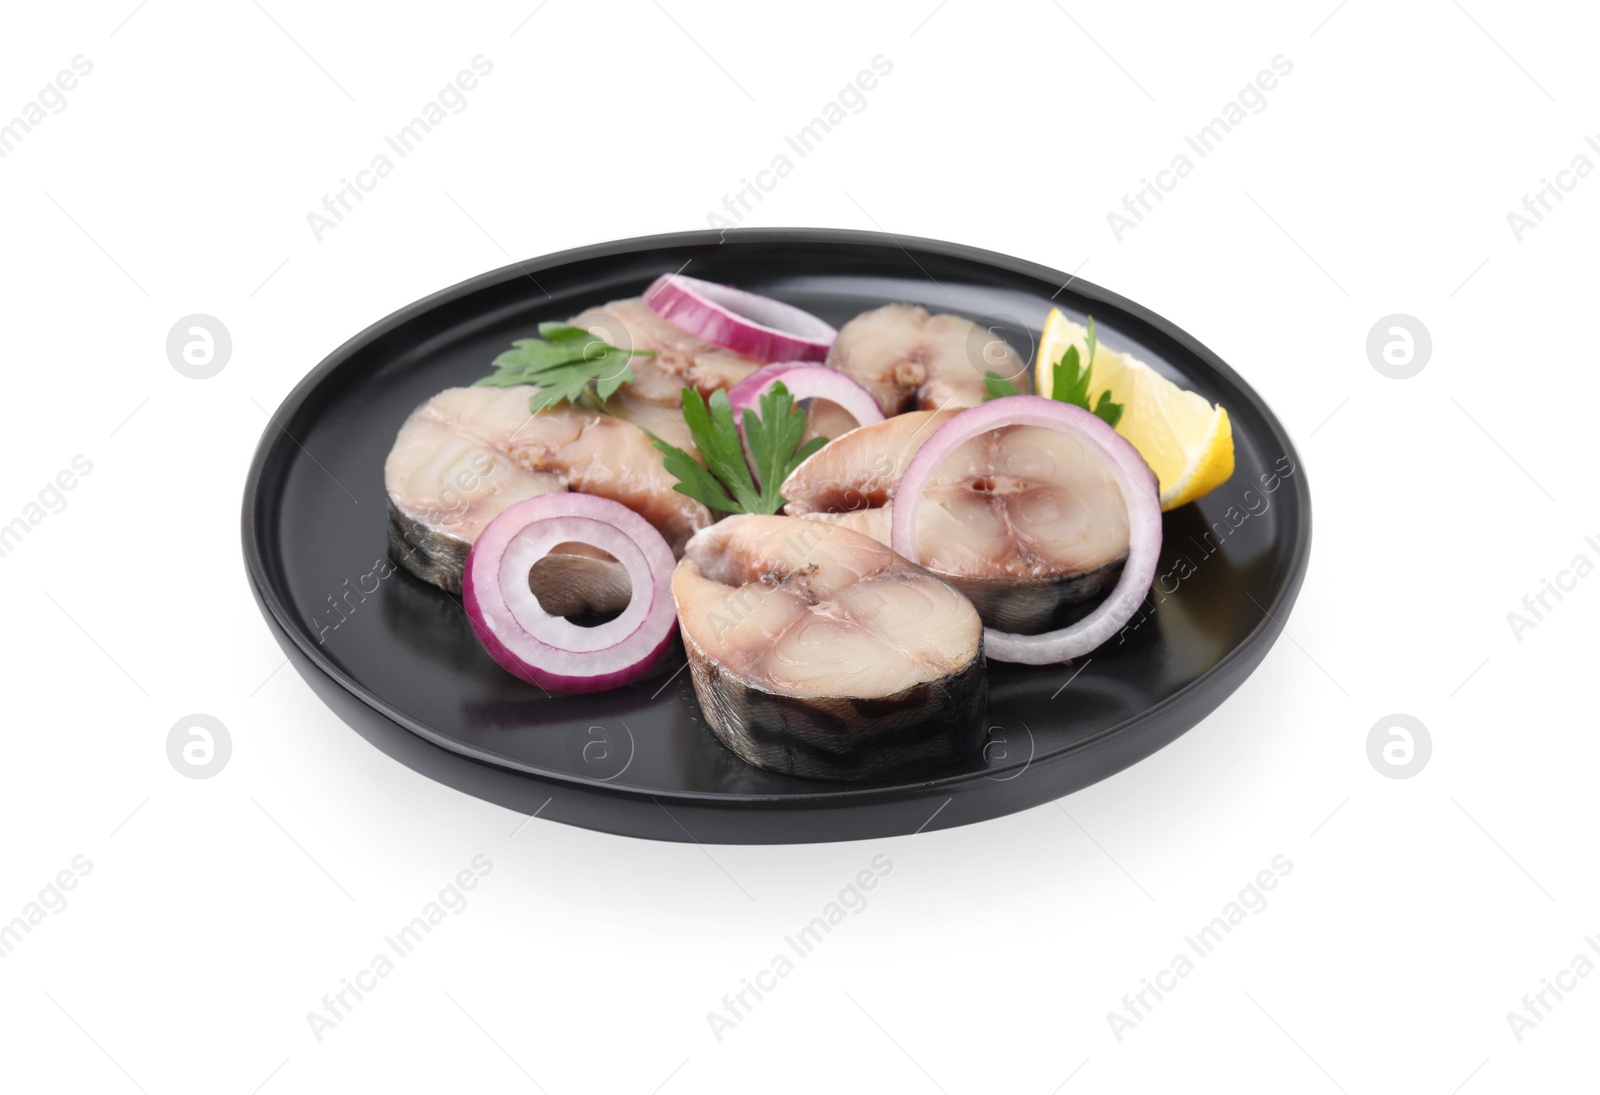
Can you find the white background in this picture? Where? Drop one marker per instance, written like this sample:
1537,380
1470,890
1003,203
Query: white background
218,912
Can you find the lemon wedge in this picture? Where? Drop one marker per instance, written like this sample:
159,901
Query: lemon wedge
1186,441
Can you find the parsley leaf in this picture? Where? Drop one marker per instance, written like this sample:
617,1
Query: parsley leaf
725,482
997,386
1108,412
563,362
774,439
1070,383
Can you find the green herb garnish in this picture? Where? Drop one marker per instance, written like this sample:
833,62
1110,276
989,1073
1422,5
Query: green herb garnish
563,362
1070,384
997,386
725,481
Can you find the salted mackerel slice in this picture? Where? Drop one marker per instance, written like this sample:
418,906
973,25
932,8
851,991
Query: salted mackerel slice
1028,522
465,455
816,651
911,360
678,360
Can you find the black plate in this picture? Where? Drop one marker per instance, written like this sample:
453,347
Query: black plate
403,668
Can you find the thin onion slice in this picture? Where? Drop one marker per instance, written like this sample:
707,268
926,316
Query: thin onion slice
806,381
758,327
1132,477
550,651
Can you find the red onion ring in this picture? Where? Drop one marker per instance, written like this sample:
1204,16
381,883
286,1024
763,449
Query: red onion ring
759,327
1132,476
550,651
806,381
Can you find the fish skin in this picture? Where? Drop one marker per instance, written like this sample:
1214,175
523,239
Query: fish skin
578,580
435,556
839,737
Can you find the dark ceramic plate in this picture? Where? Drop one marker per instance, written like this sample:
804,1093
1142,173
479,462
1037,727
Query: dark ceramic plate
399,662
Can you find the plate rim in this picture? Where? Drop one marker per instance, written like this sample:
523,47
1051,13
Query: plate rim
1253,646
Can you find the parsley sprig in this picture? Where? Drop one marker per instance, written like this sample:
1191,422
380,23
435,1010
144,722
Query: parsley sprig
563,362
1069,383
997,386
725,482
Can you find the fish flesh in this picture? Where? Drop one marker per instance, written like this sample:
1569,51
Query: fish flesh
467,454
818,652
1028,522
653,400
860,473
910,360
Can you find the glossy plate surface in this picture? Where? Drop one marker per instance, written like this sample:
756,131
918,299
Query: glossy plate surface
399,663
